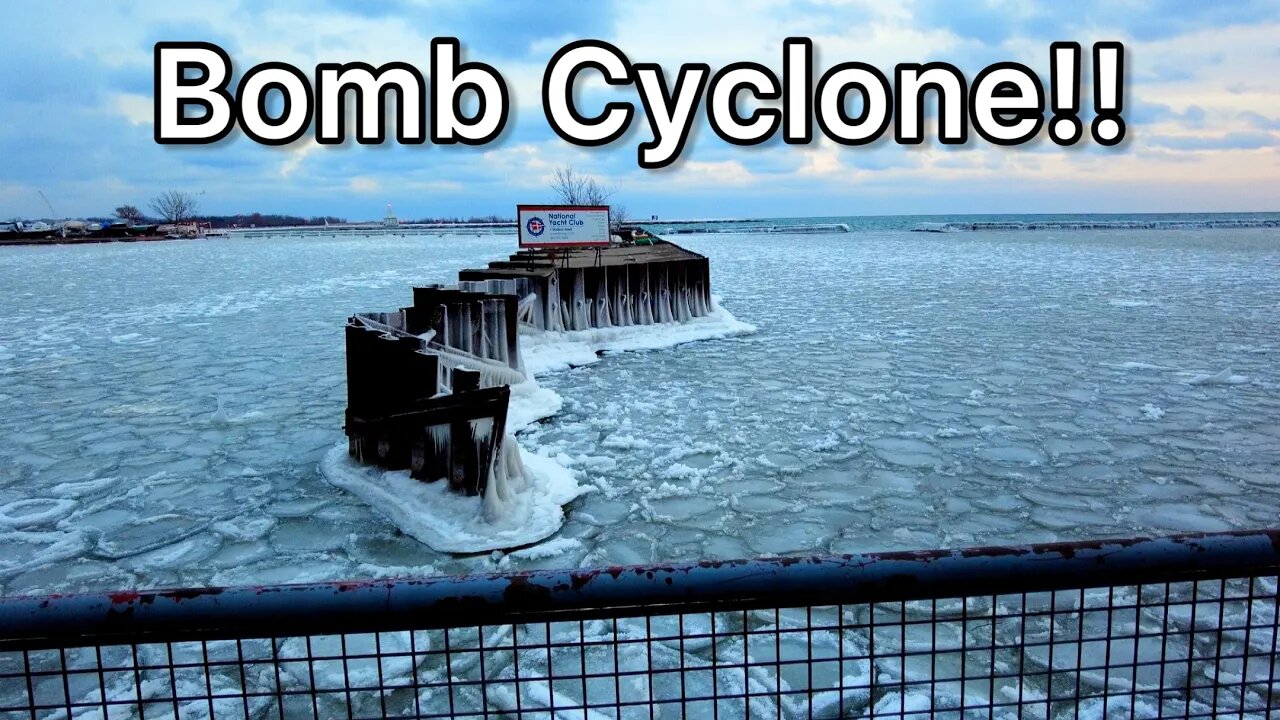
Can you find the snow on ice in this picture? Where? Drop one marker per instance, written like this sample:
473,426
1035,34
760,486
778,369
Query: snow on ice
915,390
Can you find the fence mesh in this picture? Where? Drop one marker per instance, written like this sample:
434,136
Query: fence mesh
1202,648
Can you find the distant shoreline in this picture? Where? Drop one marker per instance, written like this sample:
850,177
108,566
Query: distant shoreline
57,240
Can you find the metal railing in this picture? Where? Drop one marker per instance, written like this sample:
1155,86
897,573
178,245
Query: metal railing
1173,627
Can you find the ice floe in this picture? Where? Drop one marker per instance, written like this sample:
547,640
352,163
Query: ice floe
984,363
1223,377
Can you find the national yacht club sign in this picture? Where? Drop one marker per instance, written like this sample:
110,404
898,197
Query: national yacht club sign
552,226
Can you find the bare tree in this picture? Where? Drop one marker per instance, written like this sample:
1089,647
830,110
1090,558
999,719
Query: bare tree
618,215
574,188
129,213
175,206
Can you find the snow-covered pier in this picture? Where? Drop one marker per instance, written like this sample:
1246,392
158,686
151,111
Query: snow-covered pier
430,386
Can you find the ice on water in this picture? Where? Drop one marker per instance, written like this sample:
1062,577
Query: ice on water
165,407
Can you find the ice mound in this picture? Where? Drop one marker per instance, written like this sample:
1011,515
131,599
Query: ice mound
453,523
545,352
34,511
1225,377
530,402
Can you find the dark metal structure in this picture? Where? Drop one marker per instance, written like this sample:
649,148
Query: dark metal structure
1174,627
660,282
428,386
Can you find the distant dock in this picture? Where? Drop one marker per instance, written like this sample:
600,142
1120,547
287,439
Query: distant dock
736,225
660,227
437,229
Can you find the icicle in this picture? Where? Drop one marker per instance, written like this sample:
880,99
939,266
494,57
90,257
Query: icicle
444,326
488,348
664,297
581,312
512,467
603,318
618,296
683,313
499,334
464,328
498,373
496,499
644,304
442,378
506,478
602,315
527,311
630,301
482,429
555,316
439,435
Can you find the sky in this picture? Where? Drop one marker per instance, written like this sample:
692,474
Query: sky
1201,106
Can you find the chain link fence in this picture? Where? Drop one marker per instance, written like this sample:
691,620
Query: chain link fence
1172,627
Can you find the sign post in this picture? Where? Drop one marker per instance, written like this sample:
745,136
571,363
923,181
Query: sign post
563,226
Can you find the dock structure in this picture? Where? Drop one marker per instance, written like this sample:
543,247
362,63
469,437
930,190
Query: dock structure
428,386
716,226
610,287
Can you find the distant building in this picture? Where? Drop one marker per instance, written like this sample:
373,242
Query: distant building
390,220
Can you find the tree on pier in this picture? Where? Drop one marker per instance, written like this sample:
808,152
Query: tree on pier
175,206
574,188
129,214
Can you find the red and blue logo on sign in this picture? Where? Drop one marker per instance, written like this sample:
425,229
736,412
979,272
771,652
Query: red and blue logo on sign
535,226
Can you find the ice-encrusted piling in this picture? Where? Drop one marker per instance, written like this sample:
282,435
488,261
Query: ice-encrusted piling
616,286
428,385
387,377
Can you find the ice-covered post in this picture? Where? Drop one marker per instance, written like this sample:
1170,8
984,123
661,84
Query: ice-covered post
510,315
464,472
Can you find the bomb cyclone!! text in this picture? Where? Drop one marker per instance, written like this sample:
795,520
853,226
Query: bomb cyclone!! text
1005,103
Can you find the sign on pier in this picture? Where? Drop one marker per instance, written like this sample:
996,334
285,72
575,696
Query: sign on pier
563,225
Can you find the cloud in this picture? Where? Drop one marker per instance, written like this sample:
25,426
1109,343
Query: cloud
364,185
137,109
296,155
1259,120
725,172
75,116
1242,140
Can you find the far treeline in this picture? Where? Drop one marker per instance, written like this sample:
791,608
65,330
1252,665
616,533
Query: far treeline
568,186
176,206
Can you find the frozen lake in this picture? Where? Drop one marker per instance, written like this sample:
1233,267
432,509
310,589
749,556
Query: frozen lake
163,407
